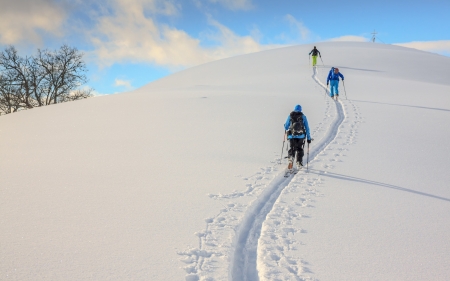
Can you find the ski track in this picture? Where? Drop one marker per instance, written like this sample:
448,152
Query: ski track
252,236
280,244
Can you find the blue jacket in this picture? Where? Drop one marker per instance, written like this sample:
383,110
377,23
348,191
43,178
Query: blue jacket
334,76
298,108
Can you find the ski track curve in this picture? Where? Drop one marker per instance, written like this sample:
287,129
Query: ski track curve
281,250
232,245
244,264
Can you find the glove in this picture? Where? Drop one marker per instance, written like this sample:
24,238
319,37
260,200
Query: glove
309,141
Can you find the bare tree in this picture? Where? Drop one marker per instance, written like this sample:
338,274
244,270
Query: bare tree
47,78
64,72
16,80
8,96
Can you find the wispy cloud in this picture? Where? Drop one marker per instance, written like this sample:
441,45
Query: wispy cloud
123,83
349,38
28,21
236,4
299,27
229,4
231,44
129,31
128,34
440,47
296,32
160,7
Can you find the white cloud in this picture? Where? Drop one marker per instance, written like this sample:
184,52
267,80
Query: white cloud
299,27
232,44
440,47
129,35
123,83
162,7
296,33
235,4
27,21
350,38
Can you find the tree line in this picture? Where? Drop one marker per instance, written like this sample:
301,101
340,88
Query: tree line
48,77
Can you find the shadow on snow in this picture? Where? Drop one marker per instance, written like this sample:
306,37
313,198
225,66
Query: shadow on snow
355,179
413,106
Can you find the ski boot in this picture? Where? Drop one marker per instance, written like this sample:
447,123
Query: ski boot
289,169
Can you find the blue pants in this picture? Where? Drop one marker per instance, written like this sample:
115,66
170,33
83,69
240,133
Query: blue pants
334,85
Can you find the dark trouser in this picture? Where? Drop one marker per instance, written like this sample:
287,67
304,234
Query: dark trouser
296,145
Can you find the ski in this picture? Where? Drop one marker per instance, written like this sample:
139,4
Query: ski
293,171
287,173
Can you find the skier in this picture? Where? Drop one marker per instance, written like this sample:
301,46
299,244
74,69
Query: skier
297,130
333,79
314,53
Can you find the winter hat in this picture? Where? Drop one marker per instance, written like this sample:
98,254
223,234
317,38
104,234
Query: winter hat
298,108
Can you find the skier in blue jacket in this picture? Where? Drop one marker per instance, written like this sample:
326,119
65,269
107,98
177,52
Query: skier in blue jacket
297,129
333,79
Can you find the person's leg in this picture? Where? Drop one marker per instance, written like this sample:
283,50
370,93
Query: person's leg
334,88
314,60
331,88
297,151
291,153
300,152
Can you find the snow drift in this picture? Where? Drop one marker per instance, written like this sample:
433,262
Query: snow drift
158,183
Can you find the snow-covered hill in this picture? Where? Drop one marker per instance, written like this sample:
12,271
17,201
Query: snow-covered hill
179,180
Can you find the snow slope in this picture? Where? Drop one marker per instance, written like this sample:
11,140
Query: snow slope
179,180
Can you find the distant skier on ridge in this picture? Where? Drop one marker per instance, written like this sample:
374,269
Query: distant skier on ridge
297,129
314,53
333,79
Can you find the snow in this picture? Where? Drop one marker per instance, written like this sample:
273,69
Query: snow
180,180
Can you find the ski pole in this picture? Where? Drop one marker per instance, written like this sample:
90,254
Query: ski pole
322,60
309,60
343,83
282,148
307,158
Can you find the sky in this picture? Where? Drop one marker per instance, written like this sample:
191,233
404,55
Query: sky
129,43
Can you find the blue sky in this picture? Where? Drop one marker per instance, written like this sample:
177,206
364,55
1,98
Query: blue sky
129,43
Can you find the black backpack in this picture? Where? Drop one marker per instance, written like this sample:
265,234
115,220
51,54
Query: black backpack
297,127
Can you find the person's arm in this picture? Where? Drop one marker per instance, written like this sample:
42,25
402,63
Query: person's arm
342,76
329,77
305,121
287,124
319,53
